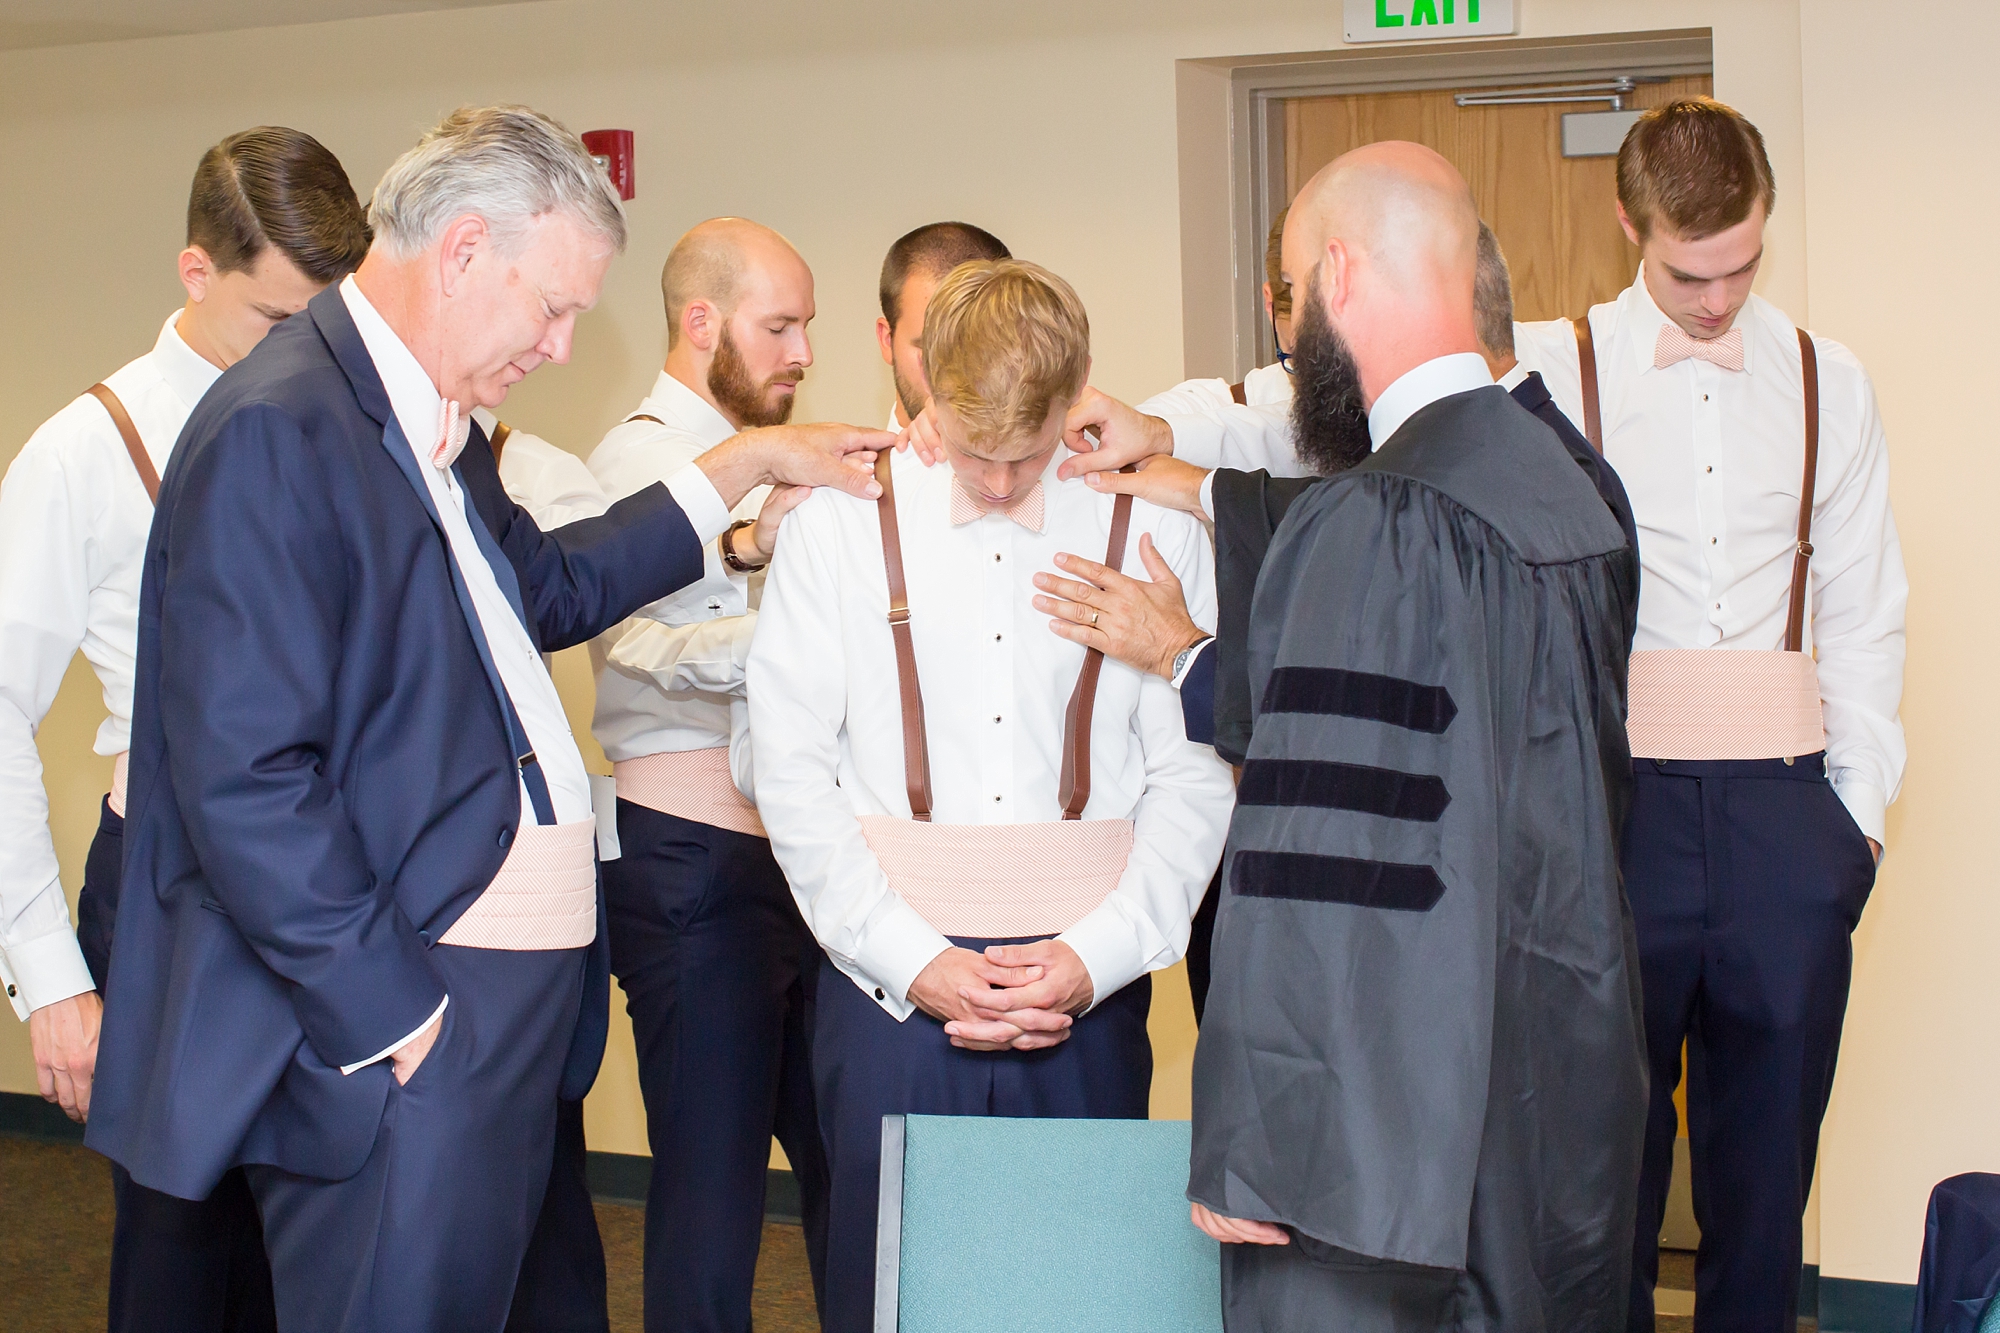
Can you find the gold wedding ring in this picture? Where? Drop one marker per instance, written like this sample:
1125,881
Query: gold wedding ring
1093,617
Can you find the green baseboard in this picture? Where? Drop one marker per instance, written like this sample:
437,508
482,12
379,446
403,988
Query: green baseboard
615,1177
1849,1305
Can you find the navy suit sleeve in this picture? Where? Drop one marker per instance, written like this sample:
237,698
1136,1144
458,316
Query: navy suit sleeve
1198,696
582,579
251,611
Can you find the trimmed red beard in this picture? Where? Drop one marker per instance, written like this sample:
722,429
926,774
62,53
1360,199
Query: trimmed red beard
742,397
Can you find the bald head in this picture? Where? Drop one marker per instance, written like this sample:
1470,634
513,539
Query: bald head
717,260
1385,241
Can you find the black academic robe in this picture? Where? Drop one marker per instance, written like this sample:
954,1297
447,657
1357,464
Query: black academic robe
1423,1042
1250,505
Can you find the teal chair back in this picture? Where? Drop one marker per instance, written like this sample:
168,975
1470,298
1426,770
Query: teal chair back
1072,1225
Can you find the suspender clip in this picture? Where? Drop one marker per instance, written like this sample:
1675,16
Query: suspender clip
899,615
1806,549
527,759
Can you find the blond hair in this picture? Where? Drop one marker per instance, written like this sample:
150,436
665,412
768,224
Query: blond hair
1004,341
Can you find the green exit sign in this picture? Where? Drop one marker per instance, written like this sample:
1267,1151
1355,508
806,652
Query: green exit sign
1421,20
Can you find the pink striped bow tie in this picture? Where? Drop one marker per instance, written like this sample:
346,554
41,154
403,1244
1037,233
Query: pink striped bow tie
1025,508
1675,346
453,431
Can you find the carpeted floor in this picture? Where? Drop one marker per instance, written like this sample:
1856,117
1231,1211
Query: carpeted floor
55,1252
55,1249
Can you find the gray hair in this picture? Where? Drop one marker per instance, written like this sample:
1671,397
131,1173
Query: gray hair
508,164
1493,296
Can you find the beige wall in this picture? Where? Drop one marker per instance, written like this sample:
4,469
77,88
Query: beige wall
1053,124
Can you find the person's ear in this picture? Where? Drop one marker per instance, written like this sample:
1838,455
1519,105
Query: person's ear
1625,223
1269,312
460,242
1336,277
700,323
885,338
196,270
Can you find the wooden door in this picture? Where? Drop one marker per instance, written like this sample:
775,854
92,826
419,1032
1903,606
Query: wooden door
1555,216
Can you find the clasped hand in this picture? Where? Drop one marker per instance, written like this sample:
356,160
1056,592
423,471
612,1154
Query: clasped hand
1019,997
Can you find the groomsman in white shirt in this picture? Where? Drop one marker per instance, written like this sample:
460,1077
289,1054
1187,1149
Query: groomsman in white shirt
991,883
717,968
271,220
911,271
1766,680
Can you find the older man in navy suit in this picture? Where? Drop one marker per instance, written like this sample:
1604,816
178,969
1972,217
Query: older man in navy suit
356,944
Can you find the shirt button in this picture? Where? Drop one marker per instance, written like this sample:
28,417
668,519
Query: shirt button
996,638
506,836
1709,468
879,995
996,719
1711,541
996,557
996,800
1704,398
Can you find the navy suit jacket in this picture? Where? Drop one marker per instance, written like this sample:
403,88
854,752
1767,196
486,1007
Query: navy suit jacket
1249,507
321,774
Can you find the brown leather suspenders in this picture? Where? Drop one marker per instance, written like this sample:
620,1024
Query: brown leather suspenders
1593,427
1075,790
1586,365
1236,395
142,462
1795,621
916,750
497,441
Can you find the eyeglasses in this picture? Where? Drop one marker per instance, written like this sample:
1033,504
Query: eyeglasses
1284,357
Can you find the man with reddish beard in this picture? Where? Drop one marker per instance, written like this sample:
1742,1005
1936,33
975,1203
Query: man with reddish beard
718,969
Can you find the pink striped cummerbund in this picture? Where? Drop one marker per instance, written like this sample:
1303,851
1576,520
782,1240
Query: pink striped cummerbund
689,784
1720,703
1001,881
120,774
545,896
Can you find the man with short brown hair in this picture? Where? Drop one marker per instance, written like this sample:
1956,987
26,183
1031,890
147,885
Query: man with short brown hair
1766,679
989,918
911,271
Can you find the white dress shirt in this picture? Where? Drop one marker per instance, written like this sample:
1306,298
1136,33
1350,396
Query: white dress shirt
1213,433
415,401
1713,460
669,678
74,518
826,716
1266,386
548,481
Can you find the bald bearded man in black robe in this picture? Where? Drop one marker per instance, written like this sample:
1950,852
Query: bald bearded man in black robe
1420,1084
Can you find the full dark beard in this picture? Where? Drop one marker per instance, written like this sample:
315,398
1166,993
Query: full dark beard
745,398
1329,422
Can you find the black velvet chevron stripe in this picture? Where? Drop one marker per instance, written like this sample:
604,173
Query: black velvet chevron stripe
1327,785
1304,877
1341,693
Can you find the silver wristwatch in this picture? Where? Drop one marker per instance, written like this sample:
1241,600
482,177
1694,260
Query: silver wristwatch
1186,656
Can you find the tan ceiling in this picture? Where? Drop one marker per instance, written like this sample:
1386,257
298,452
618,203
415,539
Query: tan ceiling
32,23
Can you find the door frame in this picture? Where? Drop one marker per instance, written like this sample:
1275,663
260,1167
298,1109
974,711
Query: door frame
1231,126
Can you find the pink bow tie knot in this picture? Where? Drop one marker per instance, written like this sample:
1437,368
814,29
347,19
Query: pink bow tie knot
1675,345
453,431
1027,508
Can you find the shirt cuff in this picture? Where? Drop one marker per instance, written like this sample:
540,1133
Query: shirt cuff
899,946
1866,803
701,502
1103,940
45,969
422,1028
1208,496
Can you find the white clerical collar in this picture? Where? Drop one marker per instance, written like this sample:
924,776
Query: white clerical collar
677,405
1418,388
412,396
188,373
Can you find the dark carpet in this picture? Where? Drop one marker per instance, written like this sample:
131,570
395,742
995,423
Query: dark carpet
55,1249
55,1255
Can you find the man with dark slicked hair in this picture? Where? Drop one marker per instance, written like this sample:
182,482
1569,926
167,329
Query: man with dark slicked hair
911,271
271,220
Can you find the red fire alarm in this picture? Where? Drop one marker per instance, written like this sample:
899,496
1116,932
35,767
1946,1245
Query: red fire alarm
613,151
